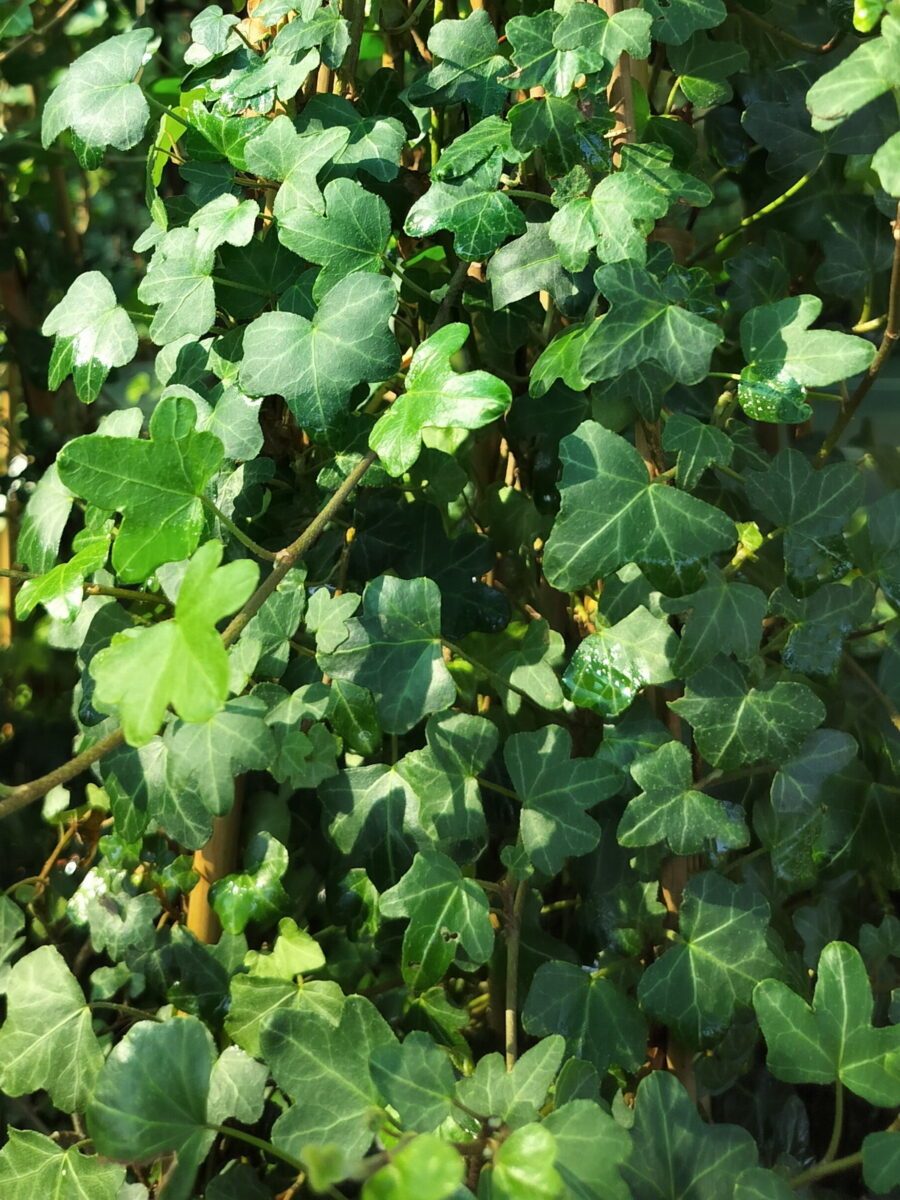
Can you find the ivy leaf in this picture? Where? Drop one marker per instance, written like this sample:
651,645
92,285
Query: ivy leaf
470,148
756,1183
784,356
522,1168
98,98
45,519
179,282
349,236
555,791
527,265
669,810
33,1165
703,67
470,206
156,485
643,323
225,220
427,1168
325,1067
151,1098
820,623
397,637
601,37
92,335
522,657
886,163
881,1162
281,153
696,1161
375,142
611,666
295,953
698,447
832,1040
551,125
590,1151
726,617
601,1024
47,1040
449,919
436,397
611,514
812,504
182,661
539,62
321,26
255,894
253,1000
467,67
315,364
867,73
236,1088
736,725
61,590
721,952
674,21
516,1095
416,1078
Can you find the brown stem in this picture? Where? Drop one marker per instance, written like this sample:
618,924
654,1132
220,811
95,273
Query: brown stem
27,793
212,862
619,94
95,589
885,350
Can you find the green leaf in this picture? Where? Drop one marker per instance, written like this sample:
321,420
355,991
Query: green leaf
537,59
467,66
416,1078
155,484
555,791
611,514
224,221
886,162
326,1069
881,1162
470,206
179,282
61,590
350,235
425,1169
756,1183
436,397
396,638
598,36
600,1023
295,953
643,323
375,142
92,335
870,71
522,1168
529,264
674,21
783,357
470,148
47,1040
820,623
522,656
279,152
46,514
721,952
736,724
98,98
553,126
255,894
151,1097
591,1149
669,810
33,1165
726,617
254,999
367,817
237,1088
694,1161
449,919
315,364
833,1039
517,1095
611,666
703,67
181,662
698,447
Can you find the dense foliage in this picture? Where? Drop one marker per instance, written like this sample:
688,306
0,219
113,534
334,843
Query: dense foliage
474,589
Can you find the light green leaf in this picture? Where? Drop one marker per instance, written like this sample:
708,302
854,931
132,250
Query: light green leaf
255,894
279,152
155,484
179,282
98,98
449,919
61,590
182,661
236,1088
32,1165
698,447
224,220
694,1160
669,810
326,1070
611,514
529,264
611,666
736,724
600,1023
46,514
471,207
315,364
721,952
517,1095
591,1149
886,162
375,142
394,649
833,1039
870,71
598,36
675,20
436,397
726,617
416,1078
425,1169
643,323
466,68
522,1168
47,1040
295,953
92,335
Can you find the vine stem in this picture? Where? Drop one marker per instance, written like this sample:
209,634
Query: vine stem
96,589
823,1169
26,793
237,532
125,1009
513,931
884,352
722,242
260,1144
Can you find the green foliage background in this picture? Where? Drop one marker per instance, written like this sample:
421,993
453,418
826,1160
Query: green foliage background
451,730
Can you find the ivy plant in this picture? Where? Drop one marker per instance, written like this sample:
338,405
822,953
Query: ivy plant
460,512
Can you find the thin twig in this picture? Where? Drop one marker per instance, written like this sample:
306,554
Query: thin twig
97,589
